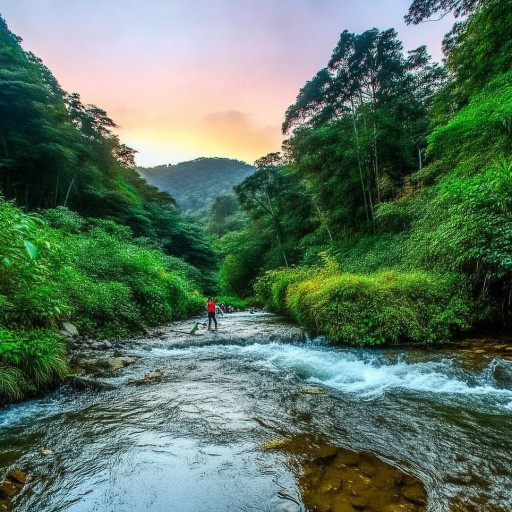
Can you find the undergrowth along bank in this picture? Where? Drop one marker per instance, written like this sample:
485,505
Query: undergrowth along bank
372,309
60,266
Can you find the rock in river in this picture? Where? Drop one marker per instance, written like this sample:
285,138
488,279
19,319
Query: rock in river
68,330
334,479
11,486
120,362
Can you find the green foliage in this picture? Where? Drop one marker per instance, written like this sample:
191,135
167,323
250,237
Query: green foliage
90,270
466,226
279,206
225,216
243,255
387,307
30,361
421,10
479,48
478,134
360,124
114,283
25,274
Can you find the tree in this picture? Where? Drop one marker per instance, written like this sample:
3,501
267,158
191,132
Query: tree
422,10
279,201
378,98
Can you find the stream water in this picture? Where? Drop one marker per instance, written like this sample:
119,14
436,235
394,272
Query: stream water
193,440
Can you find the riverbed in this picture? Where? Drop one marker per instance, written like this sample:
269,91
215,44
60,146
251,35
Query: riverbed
196,436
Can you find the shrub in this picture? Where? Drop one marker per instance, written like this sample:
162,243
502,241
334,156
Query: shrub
114,285
386,307
26,284
30,361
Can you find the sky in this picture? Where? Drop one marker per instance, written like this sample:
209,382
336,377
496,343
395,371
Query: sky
191,78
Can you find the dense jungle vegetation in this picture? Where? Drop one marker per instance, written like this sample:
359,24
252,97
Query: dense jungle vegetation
388,215
82,236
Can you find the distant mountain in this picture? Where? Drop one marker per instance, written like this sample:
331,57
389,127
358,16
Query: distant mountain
197,183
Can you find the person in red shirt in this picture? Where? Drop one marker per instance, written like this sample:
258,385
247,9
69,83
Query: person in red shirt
211,313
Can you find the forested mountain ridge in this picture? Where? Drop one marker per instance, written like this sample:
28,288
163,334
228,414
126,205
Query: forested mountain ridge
195,184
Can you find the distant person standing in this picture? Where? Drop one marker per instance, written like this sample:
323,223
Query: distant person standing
211,313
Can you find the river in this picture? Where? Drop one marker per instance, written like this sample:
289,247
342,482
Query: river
193,440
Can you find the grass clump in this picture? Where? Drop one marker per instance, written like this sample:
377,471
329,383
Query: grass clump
30,361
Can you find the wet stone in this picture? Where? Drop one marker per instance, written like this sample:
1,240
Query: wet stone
85,383
120,362
18,476
148,378
8,488
415,494
334,479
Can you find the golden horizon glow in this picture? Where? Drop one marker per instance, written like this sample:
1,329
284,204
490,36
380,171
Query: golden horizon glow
185,78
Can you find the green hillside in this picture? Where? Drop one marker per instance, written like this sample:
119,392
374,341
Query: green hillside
197,183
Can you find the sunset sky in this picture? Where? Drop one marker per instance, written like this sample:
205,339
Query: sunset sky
190,78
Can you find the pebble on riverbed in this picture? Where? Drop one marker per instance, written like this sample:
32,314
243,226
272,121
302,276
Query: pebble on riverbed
333,479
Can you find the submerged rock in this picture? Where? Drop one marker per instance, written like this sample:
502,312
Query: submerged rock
92,365
120,362
11,486
17,475
333,479
84,383
8,488
148,378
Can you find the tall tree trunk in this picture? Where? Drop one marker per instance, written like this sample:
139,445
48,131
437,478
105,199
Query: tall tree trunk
277,229
359,163
56,188
69,189
322,218
375,149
